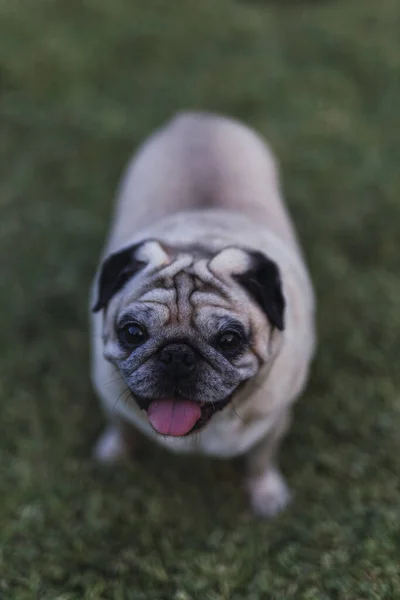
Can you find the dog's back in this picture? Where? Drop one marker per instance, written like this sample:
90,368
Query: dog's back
201,161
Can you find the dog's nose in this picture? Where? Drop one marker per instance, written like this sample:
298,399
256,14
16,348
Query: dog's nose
179,358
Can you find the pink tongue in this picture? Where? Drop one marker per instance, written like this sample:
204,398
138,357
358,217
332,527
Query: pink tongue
173,417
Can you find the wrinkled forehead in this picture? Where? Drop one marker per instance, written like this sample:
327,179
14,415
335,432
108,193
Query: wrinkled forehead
187,292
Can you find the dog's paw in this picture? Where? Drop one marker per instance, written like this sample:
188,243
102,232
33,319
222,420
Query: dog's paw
111,447
269,494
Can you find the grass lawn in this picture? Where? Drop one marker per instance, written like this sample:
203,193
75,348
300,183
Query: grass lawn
81,84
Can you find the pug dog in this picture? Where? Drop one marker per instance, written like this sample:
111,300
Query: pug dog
202,307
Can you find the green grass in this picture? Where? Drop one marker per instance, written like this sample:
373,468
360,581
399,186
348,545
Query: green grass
81,84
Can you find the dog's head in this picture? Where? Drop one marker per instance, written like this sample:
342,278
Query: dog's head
187,328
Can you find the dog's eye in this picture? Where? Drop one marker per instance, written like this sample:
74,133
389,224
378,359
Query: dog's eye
132,334
229,342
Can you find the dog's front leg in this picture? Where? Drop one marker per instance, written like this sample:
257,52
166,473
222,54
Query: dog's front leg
267,489
117,443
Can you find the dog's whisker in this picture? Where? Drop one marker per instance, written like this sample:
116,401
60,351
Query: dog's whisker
128,395
237,414
120,396
115,380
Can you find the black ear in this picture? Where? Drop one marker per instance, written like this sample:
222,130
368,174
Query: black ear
263,282
116,270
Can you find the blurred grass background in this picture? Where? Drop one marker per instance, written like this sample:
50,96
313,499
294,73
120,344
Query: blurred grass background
81,84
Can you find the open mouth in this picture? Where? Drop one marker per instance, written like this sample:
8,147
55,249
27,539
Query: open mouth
178,417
